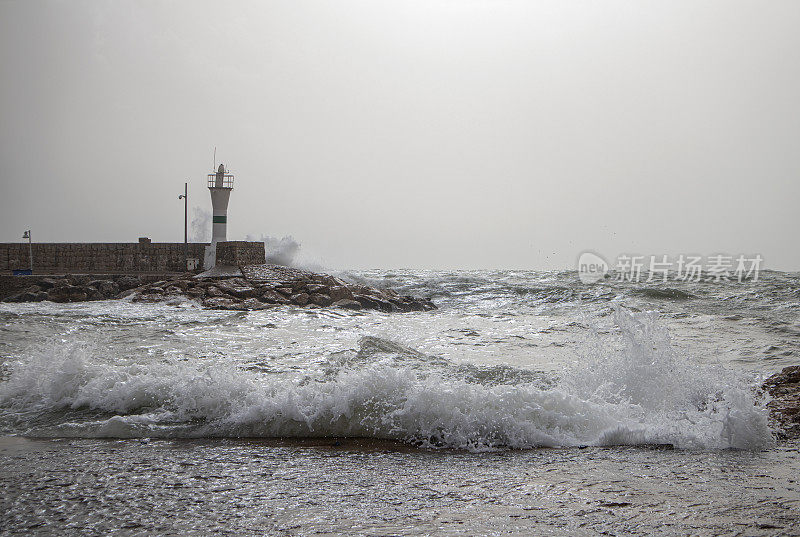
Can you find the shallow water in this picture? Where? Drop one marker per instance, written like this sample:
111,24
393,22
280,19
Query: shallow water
529,403
242,487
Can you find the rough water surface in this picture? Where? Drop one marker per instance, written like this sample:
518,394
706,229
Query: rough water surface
528,402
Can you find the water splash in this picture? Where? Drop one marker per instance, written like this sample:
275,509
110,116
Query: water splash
645,393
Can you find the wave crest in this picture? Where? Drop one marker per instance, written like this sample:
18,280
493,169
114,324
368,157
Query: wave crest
644,395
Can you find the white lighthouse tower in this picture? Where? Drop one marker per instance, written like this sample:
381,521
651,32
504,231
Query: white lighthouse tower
220,185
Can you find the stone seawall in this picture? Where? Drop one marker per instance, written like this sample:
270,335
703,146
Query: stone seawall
95,258
239,253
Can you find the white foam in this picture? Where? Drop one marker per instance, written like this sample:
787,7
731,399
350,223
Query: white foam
645,394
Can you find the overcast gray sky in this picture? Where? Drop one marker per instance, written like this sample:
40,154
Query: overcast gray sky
424,134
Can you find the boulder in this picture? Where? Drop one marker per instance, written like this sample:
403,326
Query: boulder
183,285
128,292
286,291
49,283
239,290
128,282
299,286
67,293
347,304
317,288
375,303
272,297
301,299
254,304
401,305
78,279
340,292
320,299
221,303
366,302
784,387
214,292
108,288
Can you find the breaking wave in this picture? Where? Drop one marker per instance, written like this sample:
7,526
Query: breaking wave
645,393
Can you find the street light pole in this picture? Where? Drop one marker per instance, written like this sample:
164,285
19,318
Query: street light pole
185,198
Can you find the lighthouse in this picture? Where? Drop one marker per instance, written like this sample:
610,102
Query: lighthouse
220,184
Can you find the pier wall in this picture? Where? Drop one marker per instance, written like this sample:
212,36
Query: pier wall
99,258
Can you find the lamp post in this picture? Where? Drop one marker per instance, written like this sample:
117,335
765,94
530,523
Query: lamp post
27,235
185,198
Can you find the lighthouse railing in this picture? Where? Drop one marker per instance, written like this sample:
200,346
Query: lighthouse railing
227,181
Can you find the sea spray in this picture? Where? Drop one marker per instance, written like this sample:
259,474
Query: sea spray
281,251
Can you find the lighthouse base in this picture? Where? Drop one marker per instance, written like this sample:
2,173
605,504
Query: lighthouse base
234,254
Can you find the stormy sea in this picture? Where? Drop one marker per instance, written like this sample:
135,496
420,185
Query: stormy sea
529,403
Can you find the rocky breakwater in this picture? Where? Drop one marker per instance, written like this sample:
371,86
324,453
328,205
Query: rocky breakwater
253,287
784,405
265,286
71,288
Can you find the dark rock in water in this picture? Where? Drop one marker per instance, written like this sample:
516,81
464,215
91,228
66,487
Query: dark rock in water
49,283
375,303
127,293
254,304
301,299
347,304
128,282
196,292
320,299
213,291
317,288
107,288
239,289
221,303
173,290
340,292
79,279
366,302
92,293
67,293
272,297
784,387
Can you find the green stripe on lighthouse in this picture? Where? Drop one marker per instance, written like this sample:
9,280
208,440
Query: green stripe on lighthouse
220,220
